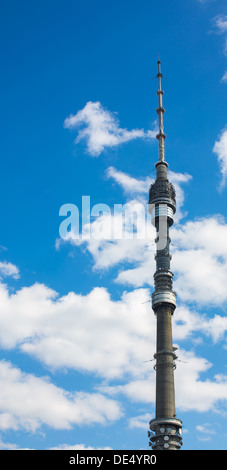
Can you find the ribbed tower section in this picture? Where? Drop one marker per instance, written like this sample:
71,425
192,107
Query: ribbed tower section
165,428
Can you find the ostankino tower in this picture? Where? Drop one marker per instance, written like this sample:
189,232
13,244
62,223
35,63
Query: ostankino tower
166,428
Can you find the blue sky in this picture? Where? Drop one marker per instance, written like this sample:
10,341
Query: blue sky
78,118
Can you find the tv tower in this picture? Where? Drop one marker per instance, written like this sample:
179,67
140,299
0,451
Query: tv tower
165,428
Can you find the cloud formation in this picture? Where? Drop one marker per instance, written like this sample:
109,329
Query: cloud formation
8,269
199,242
100,129
220,148
55,330
224,78
27,402
220,23
96,334
71,332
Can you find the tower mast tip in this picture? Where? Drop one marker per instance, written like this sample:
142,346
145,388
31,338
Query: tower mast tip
160,111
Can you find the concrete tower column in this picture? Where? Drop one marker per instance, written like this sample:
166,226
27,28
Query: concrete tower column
165,395
166,428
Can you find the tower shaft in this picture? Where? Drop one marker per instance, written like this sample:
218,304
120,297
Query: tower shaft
166,427
165,397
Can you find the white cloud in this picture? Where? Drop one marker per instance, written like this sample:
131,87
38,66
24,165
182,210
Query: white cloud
192,393
78,447
101,129
201,277
116,238
200,260
137,187
112,241
27,401
177,179
224,78
72,332
129,184
8,269
220,148
200,243
140,187
139,275
220,23
10,446
207,431
137,390
187,322
140,421
95,334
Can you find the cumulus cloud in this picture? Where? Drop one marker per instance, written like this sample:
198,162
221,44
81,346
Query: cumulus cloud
192,393
129,184
27,402
201,395
177,179
139,250
199,262
95,334
120,236
206,431
200,243
224,78
8,269
140,186
220,148
117,238
139,421
100,129
72,332
78,447
11,446
220,23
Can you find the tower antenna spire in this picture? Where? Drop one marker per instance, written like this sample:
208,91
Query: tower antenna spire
160,111
165,427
